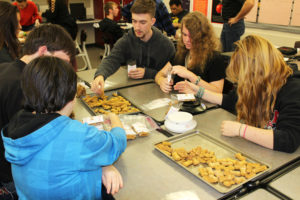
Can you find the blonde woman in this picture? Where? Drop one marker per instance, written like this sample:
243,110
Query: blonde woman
197,59
267,99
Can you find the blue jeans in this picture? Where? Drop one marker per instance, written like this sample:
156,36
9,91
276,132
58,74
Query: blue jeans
231,34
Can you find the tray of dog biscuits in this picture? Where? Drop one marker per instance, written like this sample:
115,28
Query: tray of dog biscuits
109,102
215,163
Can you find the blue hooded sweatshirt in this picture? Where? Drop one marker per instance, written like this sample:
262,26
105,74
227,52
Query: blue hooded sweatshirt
55,157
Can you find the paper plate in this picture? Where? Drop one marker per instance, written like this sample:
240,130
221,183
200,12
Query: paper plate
180,128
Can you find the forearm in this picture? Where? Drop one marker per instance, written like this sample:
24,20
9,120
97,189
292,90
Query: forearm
215,86
159,77
259,136
115,122
248,5
212,97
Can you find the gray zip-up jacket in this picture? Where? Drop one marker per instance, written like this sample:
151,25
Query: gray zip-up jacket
152,55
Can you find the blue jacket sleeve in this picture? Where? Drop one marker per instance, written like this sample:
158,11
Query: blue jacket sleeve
101,148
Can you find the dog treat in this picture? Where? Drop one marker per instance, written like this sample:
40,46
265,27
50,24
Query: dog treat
80,91
224,171
116,104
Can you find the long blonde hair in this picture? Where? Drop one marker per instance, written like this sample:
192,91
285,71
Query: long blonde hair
203,38
260,72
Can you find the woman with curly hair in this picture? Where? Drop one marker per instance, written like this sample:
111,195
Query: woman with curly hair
197,59
267,98
9,30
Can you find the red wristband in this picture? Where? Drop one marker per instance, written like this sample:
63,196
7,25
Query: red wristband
245,131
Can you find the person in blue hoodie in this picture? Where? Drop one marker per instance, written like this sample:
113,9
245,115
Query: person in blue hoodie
53,156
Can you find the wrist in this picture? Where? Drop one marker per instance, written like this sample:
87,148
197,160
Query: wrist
240,129
197,80
200,93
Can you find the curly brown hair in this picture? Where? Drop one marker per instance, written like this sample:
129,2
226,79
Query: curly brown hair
203,38
260,72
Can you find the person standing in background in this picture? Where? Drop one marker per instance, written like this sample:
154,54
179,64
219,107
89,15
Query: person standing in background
108,25
58,13
177,12
163,19
233,13
29,14
10,27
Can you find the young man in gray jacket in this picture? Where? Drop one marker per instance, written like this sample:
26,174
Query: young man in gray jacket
144,44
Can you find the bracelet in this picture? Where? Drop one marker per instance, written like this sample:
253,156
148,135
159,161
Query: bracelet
240,129
245,131
200,93
198,80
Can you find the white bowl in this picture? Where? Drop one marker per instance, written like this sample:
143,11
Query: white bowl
180,122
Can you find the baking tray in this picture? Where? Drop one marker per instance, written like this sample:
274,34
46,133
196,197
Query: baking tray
194,139
110,95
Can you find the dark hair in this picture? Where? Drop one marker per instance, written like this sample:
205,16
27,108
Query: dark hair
109,5
48,84
143,7
175,2
54,37
9,25
20,1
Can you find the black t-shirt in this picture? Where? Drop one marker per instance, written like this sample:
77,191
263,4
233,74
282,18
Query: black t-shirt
231,8
214,69
179,16
111,29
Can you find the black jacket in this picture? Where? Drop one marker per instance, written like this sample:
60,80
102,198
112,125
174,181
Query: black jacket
61,16
10,103
286,116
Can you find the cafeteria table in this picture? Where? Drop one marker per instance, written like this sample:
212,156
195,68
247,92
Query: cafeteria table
117,80
151,100
148,174
260,194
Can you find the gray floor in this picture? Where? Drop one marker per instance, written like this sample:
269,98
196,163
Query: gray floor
94,55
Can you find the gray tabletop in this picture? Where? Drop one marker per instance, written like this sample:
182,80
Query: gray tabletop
147,97
118,80
289,184
260,194
142,96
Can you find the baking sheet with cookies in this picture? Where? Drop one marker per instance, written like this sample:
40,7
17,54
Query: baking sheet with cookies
221,152
111,102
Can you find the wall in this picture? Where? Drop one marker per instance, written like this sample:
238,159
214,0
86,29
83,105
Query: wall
278,38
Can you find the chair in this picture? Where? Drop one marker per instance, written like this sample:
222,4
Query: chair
108,43
82,52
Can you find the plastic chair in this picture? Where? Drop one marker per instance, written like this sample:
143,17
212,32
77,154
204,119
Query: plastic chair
82,52
107,39
108,43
